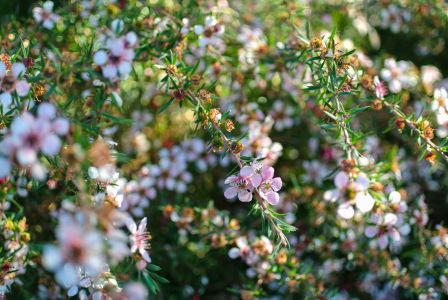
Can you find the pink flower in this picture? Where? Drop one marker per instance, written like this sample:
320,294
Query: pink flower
210,33
80,247
45,15
28,135
384,230
255,176
270,186
380,88
242,185
282,114
116,57
10,82
139,238
345,187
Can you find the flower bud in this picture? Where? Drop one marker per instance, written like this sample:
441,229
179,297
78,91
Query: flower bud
282,257
428,132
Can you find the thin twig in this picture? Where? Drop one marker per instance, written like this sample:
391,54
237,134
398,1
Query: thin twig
398,113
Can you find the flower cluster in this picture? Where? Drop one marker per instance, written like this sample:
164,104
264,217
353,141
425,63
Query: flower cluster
128,130
254,178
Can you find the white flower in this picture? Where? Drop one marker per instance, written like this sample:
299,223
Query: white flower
45,15
363,200
12,82
139,238
210,33
30,135
384,230
440,101
117,53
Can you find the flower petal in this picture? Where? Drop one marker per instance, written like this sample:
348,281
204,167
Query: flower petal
276,184
341,180
18,69
383,241
51,145
256,180
371,231
46,111
267,172
364,202
246,171
2,69
22,88
346,211
273,198
245,195
231,192
100,57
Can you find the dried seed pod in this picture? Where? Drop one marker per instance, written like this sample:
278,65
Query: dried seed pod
367,81
39,91
215,115
428,132
430,157
316,43
347,165
179,94
171,69
236,147
6,60
229,126
196,80
377,104
400,123
28,62
204,96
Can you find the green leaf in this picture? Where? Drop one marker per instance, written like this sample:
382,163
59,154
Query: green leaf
312,87
153,267
165,106
348,53
159,278
152,285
